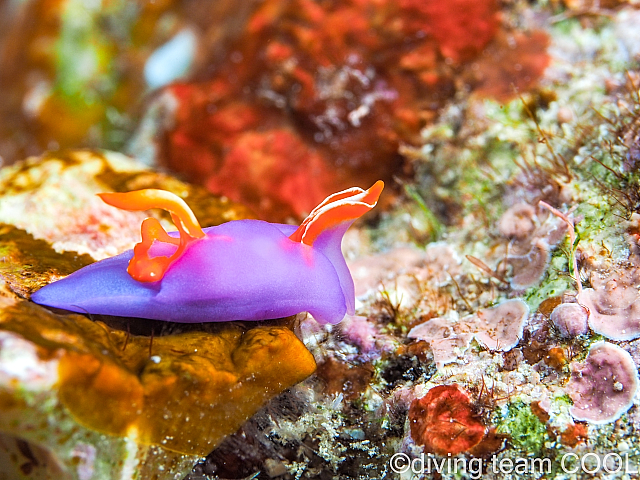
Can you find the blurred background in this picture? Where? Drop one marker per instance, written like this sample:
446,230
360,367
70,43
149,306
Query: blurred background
274,103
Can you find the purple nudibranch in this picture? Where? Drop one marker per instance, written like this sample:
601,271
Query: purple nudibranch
240,270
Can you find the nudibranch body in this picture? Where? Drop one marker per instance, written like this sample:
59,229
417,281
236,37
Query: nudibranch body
240,270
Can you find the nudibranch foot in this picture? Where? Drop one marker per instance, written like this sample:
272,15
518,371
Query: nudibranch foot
240,270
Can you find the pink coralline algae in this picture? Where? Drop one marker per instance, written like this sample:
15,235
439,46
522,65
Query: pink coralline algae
446,339
362,333
519,221
614,305
570,319
533,233
498,328
603,386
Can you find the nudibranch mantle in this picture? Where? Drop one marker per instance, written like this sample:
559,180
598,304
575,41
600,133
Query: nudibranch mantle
240,270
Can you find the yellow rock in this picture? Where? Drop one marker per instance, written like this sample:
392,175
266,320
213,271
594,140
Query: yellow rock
184,391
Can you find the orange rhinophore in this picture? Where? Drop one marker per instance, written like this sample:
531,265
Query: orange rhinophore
143,267
336,209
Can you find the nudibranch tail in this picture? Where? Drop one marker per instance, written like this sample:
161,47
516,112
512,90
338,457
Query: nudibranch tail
142,266
338,208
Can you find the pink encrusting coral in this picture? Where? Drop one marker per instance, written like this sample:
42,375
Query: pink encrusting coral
603,386
498,328
614,304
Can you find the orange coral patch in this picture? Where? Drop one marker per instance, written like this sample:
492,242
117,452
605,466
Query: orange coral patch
444,421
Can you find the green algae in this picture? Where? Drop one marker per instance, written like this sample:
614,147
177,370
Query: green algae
84,72
555,282
433,226
526,432
564,399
